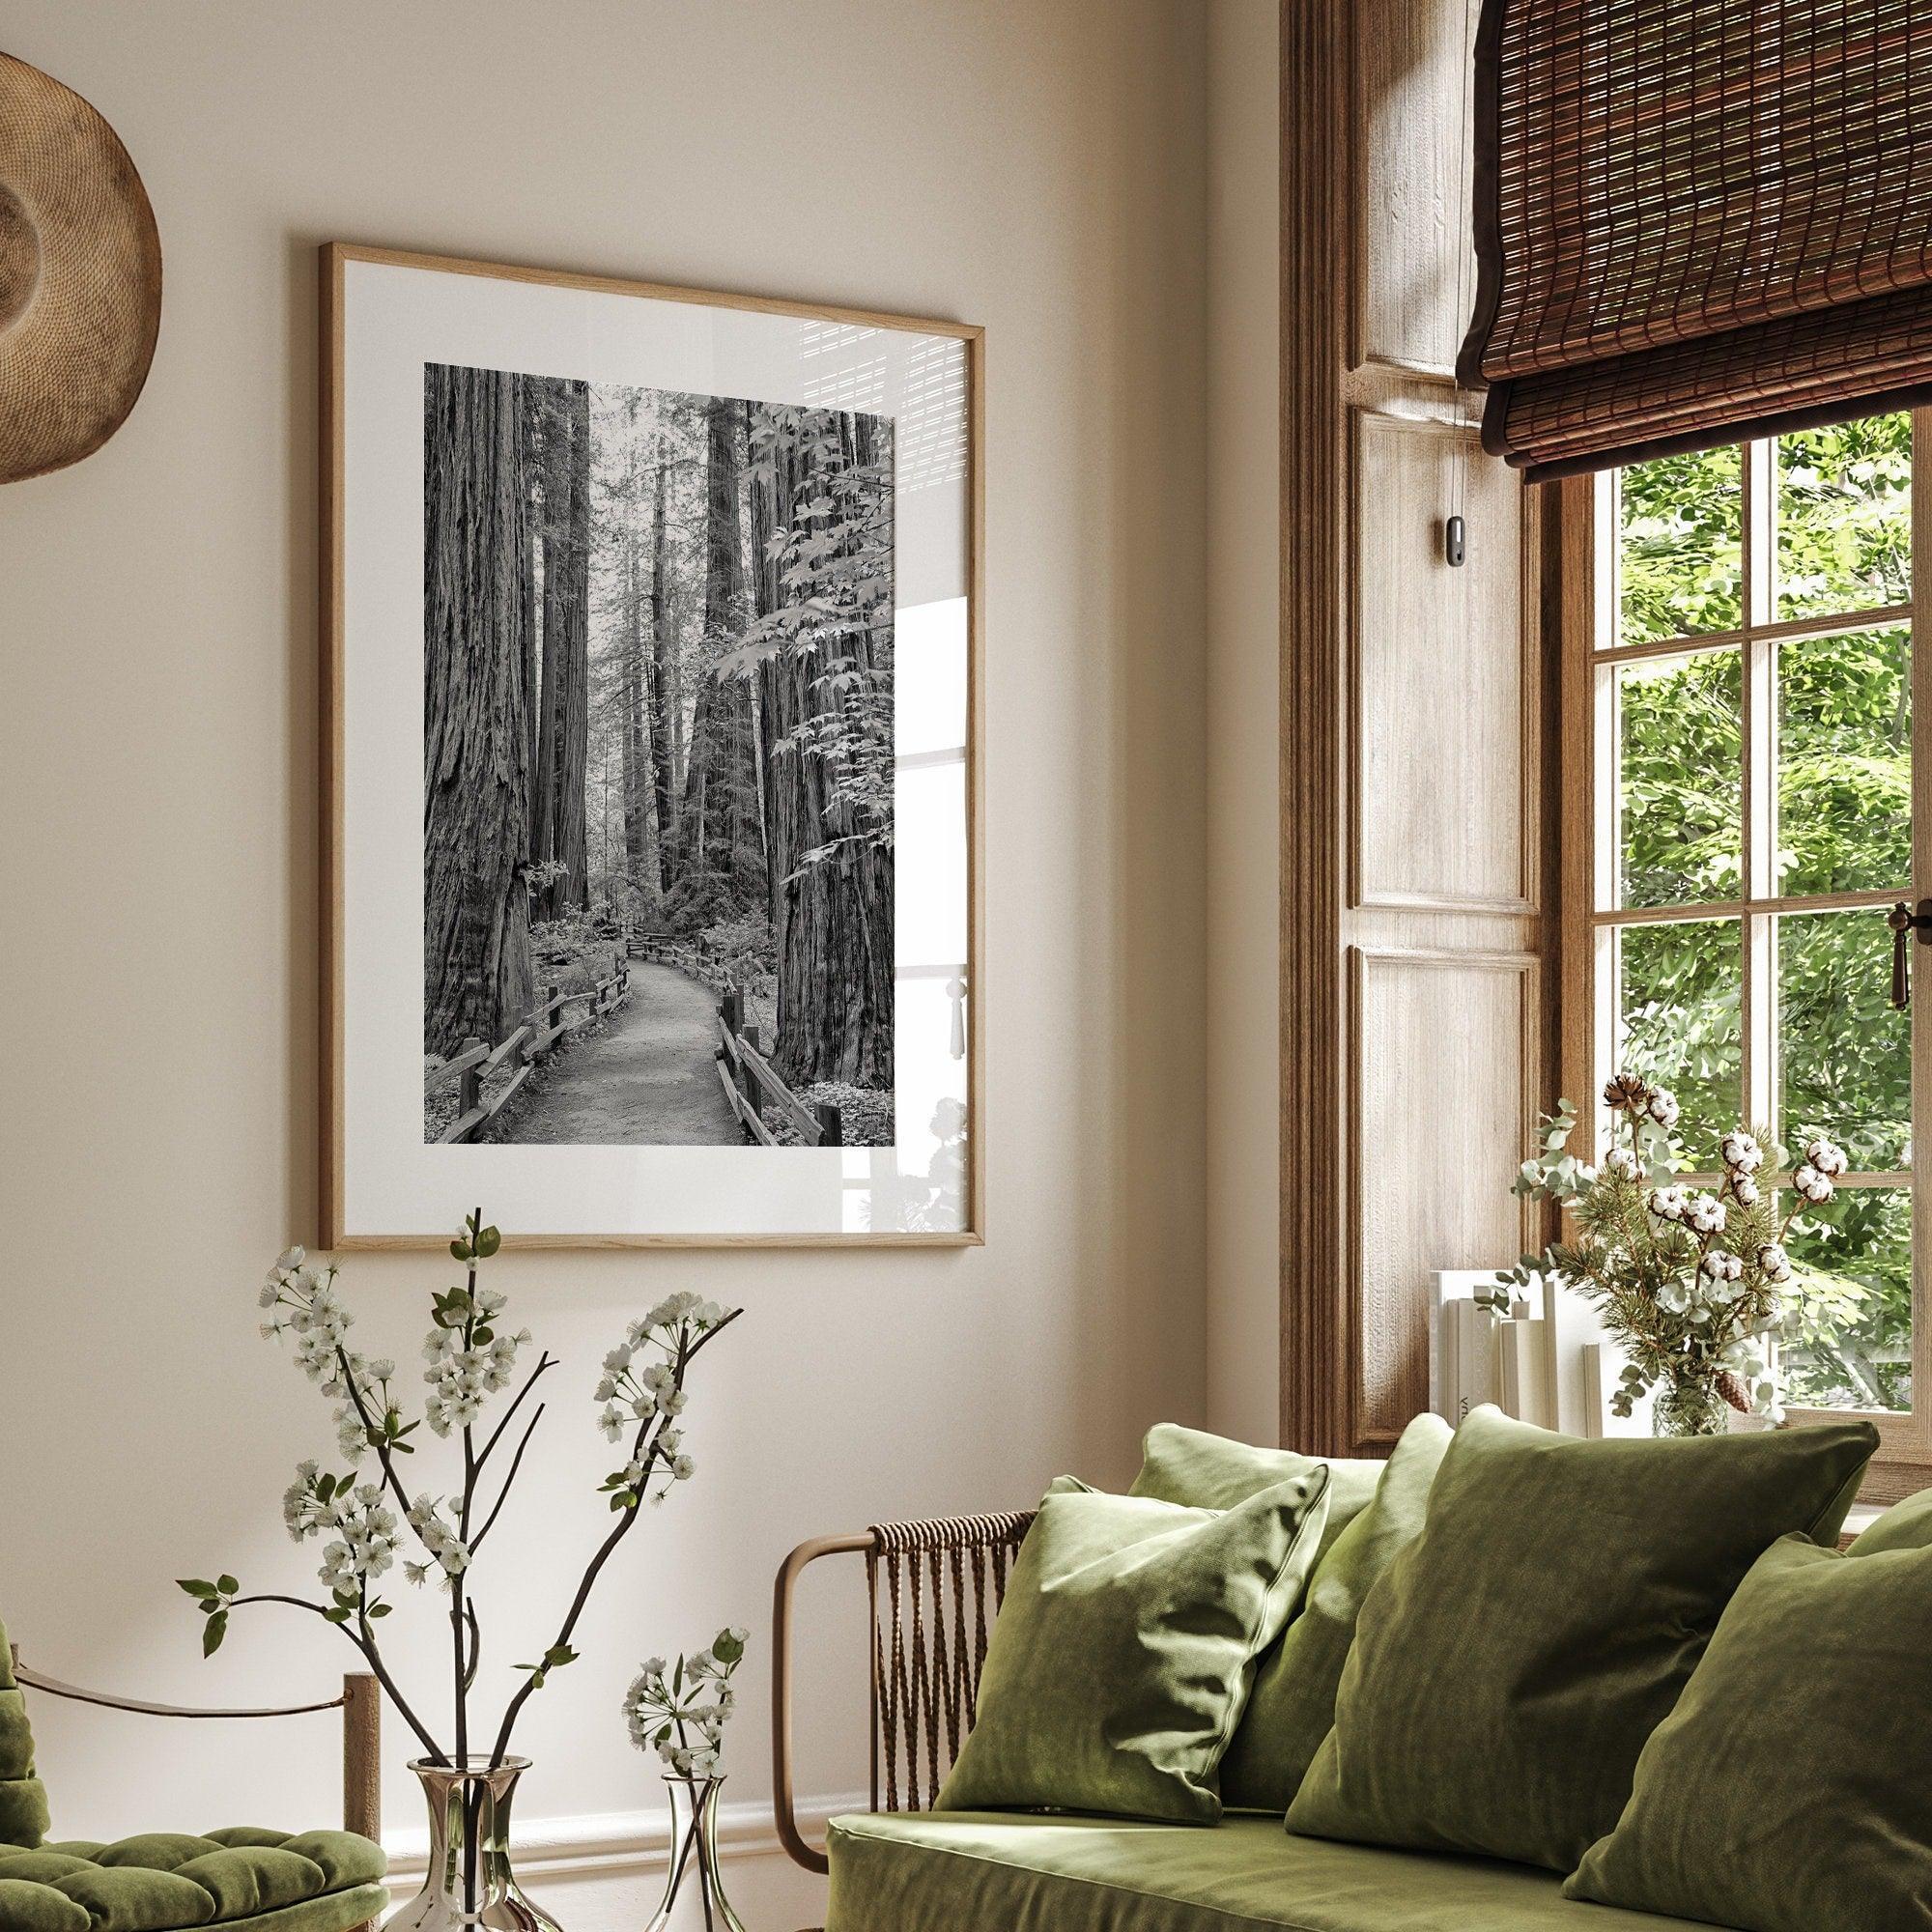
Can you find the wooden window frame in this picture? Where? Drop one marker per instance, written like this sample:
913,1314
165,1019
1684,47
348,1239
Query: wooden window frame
1585,538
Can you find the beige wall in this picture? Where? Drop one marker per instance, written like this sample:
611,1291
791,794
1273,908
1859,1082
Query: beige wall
1035,165
1243,790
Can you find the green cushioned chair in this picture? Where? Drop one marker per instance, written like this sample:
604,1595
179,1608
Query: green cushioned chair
243,1878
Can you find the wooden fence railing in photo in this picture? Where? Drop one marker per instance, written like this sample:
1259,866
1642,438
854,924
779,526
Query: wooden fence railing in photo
690,957
542,1026
750,1084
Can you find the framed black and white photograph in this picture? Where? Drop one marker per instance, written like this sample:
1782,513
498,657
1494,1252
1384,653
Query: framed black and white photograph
650,624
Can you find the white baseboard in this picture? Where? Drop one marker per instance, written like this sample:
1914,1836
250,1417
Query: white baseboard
600,1844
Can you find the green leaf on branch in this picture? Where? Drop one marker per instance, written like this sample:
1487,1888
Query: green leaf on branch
195,1587
227,1586
554,1659
213,1631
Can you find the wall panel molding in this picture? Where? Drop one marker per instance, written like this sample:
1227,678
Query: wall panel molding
1435,683
1431,1029
1415,716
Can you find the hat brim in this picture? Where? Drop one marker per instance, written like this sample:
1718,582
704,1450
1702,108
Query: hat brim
72,362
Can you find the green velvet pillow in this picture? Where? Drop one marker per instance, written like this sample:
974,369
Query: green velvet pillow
1292,1707
1124,1651
23,1801
1906,1525
1510,1664
1788,1791
1203,1471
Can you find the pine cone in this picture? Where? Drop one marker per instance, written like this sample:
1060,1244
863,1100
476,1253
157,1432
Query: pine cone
1731,1386
1625,1090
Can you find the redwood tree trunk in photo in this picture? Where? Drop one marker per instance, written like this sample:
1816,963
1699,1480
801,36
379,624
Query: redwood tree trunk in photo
631,684
476,702
662,695
832,917
558,820
553,438
722,836
574,710
529,534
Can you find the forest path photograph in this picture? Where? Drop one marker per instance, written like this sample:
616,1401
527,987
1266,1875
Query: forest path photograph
658,717
649,1076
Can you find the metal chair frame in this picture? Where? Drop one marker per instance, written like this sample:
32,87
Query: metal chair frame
361,1703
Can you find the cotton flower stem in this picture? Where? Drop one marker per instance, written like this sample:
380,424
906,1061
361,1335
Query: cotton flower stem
646,1450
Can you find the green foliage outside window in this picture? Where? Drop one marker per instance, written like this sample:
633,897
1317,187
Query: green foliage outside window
1844,823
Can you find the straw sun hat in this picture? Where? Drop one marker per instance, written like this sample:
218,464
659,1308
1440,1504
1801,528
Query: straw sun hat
80,277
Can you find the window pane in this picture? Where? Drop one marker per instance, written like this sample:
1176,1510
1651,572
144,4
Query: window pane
1678,803
1848,1324
1844,763
1678,1010
1845,1055
1680,546
1845,524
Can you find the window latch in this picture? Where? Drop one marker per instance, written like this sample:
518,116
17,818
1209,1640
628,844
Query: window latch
1904,920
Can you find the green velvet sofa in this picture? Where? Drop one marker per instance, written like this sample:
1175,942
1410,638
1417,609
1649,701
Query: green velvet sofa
956,1871
243,1878
935,1589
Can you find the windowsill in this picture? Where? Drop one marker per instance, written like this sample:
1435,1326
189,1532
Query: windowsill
1862,1516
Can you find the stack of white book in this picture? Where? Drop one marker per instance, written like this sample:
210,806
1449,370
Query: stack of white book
1478,1355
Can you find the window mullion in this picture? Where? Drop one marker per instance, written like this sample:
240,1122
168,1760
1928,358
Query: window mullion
1920,682
1758,779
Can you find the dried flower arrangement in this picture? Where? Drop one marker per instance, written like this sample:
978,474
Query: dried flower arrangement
1692,1283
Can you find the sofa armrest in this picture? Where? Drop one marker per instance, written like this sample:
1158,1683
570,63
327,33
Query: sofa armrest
932,1589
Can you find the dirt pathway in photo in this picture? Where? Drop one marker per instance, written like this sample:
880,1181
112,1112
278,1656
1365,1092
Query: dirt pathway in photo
646,1080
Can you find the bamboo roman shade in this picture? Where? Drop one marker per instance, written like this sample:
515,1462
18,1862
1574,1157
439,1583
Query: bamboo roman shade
1697,221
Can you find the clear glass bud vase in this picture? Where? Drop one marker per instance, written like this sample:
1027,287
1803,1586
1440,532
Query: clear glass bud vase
693,1877
471,1882
1689,1408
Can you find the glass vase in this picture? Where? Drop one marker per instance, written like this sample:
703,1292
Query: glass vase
694,1874
1689,1408
470,1881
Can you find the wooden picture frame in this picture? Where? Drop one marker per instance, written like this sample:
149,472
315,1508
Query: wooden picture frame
349,1153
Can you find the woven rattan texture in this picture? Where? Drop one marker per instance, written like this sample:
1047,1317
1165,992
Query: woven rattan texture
936,1588
1697,218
